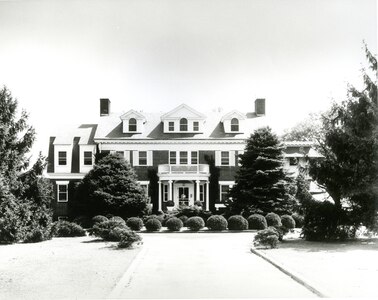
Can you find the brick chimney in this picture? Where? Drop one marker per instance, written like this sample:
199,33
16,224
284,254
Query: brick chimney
104,107
260,107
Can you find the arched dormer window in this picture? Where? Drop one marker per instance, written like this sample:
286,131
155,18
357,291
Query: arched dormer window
234,124
183,124
132,124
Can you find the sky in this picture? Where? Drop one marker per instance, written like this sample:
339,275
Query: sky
58,58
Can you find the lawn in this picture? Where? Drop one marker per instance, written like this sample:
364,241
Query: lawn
62,268
338,269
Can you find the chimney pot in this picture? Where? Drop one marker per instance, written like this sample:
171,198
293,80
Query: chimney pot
260,107
104,107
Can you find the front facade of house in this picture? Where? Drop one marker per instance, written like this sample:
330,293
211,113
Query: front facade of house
181,156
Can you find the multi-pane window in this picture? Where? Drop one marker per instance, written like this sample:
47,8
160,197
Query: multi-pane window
225,158
171,126
62,158
234,124
195,126
172,157
183,158
183,124
132,124
165,193
202,193
87,158
62,193
224,192
143,158
194,157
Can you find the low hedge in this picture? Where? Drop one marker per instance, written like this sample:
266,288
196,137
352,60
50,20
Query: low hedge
99,219
237,222
273,219
195,223
153,224
107,230
128,238
217,223
183,218
257,221
174,224
67,229
288,221
134,223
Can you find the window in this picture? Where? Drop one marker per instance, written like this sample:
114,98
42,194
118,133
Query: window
143,158
225,158
165,193
194,157
202,193
172,157
171,126
62,193
121,154
195,126
62,158
145,188
293,161
183,124
87,158
234,124
183,158
224,192
132,124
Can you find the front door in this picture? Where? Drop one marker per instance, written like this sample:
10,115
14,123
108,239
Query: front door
183,195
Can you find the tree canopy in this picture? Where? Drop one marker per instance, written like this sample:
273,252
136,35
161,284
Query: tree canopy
261,184
111,187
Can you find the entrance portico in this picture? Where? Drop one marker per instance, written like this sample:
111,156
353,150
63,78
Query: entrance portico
183,184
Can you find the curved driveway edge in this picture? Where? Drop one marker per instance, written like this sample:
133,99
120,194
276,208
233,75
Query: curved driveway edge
298,278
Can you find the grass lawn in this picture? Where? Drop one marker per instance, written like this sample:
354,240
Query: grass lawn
338,269
62,268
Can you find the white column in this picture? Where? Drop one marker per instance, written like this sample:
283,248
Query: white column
197,190
159,198
207,195
170,190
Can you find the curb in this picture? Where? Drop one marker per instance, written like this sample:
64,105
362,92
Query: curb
290,273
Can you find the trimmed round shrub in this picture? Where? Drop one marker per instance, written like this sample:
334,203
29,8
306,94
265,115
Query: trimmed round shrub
195,223
273,219
153,224
35,236
67,229
134,223
288,221
237,222
99,219
257,221
216,222
118,219
105,230
183,219
128,239
299,220
174,224
266,237
159,217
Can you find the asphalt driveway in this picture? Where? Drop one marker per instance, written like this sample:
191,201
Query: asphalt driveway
203,265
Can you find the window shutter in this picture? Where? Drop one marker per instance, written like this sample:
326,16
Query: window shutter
127,156
238,158
217,158
135,158
232,158
149,158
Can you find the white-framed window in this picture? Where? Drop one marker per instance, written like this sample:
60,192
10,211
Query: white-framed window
234,124
165,192
172,157
142,158
171,126
132,124
62,158
194,157
195,126
183,124
183,158
224,190
62,191
88,158
225,158
202,193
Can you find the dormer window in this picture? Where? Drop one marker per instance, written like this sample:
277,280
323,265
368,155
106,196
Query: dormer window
171,126
235,125
195,126
132,125
183,124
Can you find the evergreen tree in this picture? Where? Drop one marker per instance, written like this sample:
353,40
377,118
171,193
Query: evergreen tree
261,184
111,187
349,169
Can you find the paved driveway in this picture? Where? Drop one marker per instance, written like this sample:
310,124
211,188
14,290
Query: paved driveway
203,265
